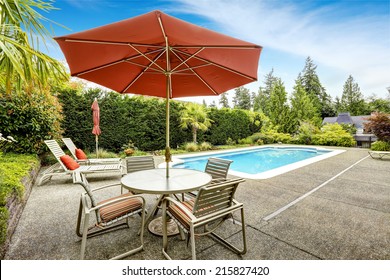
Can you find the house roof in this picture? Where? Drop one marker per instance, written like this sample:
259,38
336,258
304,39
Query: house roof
357,121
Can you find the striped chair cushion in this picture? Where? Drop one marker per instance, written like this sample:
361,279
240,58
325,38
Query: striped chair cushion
178,213
110,212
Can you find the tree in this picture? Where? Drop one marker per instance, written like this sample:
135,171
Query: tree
313,88
352,100
302,108
242,98
21,30
261,101
279,111
224,101
379,124
195,116
376,104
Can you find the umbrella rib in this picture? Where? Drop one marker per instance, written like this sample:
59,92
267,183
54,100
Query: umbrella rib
192,67
221,66
111,64
134,48
196,74
183,62
143,71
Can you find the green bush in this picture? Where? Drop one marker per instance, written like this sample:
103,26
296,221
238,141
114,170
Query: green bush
380,146
305,133
333,135
30,117
191,147
272,137
205,146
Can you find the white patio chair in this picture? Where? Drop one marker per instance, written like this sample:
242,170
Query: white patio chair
212,206
107,213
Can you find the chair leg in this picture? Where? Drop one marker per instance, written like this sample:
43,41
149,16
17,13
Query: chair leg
141,247
229,245
192,233
85,233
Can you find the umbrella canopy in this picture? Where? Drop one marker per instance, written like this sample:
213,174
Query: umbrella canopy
159,55
96,122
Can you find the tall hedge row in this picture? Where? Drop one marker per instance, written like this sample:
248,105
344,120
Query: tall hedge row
123,118
142,120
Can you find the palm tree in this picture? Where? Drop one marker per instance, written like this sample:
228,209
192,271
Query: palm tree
195,116
21,31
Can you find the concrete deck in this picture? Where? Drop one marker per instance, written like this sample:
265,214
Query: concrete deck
344,217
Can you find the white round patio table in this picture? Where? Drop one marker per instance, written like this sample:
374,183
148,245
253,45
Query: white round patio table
154,181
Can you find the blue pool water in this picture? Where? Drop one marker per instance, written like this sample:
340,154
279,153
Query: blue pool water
255,161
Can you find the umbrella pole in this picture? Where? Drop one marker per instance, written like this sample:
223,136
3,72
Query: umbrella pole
97,141
167,148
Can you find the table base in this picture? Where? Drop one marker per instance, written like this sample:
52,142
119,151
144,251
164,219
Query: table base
155,227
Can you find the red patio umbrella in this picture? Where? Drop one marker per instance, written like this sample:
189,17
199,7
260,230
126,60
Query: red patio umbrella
96,123
159,55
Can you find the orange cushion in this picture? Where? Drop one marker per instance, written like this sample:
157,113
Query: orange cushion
80,154
69,162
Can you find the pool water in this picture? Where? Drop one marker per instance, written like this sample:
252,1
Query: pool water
251,163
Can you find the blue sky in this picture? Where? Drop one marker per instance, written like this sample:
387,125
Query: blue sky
344,37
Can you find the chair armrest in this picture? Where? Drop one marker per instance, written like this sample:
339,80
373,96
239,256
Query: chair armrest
106,186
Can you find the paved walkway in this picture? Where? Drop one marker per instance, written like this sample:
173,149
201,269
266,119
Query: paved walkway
338,208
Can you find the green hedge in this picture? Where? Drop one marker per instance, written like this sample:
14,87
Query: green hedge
29,117
142,120
123,118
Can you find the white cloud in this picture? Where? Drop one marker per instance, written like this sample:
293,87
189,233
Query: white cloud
346,44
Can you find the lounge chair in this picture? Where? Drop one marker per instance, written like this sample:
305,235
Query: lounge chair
83,159
212,206
379,154
107,213
66,165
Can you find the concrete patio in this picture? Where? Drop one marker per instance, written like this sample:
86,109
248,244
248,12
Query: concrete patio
345,217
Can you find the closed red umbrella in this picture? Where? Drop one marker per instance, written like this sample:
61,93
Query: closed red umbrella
96,122
159,55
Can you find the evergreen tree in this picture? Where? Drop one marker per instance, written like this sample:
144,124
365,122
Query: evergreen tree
261,101
302,108
224,101
279,112
313,88
242,98
352,100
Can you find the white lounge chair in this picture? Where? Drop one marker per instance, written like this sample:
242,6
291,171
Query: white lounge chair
379,154
60,168
72,149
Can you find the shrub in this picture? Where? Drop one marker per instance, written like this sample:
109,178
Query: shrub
30,117
272,136
380,146
305,133
230,142
205,146
191,147
333,135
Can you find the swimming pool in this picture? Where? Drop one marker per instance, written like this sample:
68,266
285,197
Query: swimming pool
260,162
